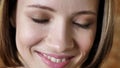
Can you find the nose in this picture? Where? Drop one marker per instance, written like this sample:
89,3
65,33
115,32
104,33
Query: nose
60,38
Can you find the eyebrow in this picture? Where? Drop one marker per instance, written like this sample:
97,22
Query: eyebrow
51,9
42,7
86,12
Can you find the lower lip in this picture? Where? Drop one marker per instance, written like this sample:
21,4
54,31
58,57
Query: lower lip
52,64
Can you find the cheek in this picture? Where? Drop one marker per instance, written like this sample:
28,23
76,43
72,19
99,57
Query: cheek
26,36
85,41
29,33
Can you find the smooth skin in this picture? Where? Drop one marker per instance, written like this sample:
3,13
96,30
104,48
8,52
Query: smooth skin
59,27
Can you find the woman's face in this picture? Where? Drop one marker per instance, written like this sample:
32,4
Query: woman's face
55,33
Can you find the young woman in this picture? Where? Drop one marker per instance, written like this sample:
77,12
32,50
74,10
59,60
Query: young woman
55,33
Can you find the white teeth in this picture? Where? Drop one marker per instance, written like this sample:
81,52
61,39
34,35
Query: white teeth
53,59
63,60
58,61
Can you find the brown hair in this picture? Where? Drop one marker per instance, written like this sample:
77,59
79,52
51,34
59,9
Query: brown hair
101,47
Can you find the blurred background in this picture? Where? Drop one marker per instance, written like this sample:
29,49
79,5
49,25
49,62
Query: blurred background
114,58
113,61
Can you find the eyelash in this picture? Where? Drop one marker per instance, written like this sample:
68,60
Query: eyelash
45,21
42,21
84,26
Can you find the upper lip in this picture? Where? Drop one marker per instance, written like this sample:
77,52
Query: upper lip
58,56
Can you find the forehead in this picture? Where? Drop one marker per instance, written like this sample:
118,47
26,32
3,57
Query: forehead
64,5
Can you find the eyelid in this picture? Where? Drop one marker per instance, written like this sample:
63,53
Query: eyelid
38,14
84,21
85,26
42,21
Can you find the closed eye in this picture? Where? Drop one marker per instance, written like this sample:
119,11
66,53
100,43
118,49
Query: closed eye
84,26
42,21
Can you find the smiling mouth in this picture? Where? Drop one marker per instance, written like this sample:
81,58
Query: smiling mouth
54,61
